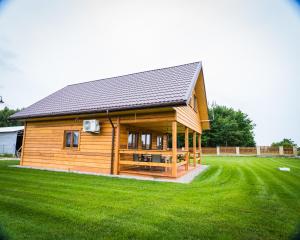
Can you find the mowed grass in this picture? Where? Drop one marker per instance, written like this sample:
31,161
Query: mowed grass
236,198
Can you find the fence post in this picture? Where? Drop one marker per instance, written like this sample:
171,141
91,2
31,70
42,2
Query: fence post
295,151
258,150
218,150
237,150
281,152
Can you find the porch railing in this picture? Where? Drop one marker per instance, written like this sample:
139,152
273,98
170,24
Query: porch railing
127,163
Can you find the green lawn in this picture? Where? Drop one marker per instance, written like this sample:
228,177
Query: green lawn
236,198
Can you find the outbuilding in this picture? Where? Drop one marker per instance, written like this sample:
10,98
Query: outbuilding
11,139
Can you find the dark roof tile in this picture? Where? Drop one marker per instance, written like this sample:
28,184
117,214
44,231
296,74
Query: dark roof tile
161,87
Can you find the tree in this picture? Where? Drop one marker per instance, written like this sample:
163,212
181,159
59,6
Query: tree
228,128
286,142
5,114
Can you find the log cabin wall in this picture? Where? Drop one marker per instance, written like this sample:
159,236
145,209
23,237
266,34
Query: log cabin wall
187,116
44,146
44,142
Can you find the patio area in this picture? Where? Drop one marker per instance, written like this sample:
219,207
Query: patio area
146,149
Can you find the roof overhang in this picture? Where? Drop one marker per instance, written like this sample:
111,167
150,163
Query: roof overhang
97,111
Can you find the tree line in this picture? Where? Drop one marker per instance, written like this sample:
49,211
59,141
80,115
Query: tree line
4,118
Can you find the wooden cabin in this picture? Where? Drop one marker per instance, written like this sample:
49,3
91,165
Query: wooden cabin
122,125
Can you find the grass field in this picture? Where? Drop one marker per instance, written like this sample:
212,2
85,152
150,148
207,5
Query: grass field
236,198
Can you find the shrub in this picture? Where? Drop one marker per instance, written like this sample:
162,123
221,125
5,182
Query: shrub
7,155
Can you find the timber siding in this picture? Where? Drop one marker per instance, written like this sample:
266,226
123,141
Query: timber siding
44,147
44,142
188,117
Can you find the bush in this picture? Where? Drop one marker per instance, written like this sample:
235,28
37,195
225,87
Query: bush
286,142
7,155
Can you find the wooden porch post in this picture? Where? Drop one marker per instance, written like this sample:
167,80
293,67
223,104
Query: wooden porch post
174,149
165,142
199,146
194,147
117,148
186,148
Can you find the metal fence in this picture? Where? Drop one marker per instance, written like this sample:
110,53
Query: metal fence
250,151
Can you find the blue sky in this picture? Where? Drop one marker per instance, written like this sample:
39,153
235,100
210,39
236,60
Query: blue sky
250,50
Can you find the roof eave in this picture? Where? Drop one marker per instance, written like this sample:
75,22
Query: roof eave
193,82
117,109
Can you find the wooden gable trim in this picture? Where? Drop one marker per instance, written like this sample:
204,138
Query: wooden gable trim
202,101
186,115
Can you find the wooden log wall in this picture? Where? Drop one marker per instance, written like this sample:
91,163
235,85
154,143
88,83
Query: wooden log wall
44,147
44,142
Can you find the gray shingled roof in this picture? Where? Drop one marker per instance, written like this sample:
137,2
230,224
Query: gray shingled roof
170,86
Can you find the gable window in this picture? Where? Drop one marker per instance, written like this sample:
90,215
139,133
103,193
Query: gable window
71,139
159,142
133,140
195,104
146,140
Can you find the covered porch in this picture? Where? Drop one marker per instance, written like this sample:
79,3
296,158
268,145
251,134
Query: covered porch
152,148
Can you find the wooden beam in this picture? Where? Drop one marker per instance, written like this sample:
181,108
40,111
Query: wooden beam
103,114
147,173
165,142
194,148
148,120
186,148
152,164
199,148
143,151
23,143
174,149
117,148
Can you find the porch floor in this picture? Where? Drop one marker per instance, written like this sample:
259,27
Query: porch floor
154,171
183,176
186,178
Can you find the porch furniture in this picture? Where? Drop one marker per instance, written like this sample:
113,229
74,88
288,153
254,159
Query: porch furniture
136,157
156,158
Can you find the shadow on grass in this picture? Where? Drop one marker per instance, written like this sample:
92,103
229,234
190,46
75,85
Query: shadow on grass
297,234
3,234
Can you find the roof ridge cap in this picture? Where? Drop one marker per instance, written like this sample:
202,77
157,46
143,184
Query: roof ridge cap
151,70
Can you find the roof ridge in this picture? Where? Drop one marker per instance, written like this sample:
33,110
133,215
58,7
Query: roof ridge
199,62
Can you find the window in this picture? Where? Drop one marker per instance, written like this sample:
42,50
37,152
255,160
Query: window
68,137
195,104
146,141
159,142
75,139
71,139
133,140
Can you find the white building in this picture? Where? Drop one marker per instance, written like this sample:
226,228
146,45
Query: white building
11,139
